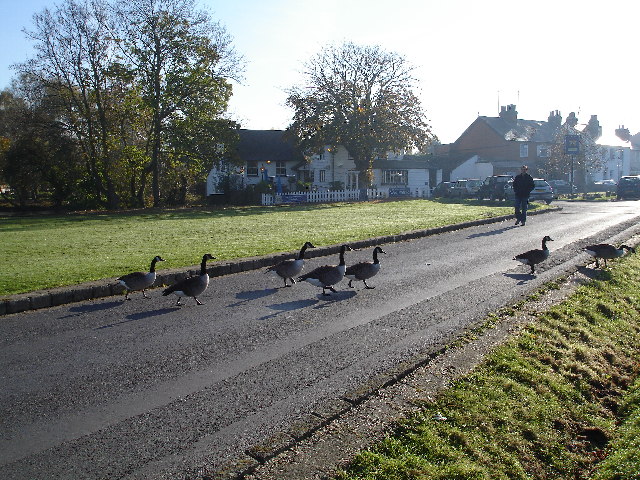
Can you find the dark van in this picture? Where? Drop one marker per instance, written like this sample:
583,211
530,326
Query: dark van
493,187
628,187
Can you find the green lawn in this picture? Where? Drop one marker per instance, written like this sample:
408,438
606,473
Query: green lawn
48,251
550,404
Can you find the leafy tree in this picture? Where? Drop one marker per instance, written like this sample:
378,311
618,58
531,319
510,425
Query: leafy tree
75,50
11,112
143,89
360,97
40,156
183,61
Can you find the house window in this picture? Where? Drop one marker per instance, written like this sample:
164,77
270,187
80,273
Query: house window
305,175
524,150
395,177
322,176
281,169
543,151
252,169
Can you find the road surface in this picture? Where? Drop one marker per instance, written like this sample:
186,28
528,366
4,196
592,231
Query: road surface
109,389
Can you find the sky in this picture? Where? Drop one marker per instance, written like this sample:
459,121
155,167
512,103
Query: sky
470,57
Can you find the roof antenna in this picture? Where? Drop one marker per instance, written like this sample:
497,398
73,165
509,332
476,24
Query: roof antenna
498,101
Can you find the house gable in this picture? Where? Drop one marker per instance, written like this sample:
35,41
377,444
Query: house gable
479,133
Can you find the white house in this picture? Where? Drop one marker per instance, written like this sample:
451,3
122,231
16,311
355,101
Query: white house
420,173
271,156
473,167
333,168
263,155
616,163
619,158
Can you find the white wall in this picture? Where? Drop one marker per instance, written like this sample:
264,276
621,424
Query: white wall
335,162
616,163
213,178
472,168
418,178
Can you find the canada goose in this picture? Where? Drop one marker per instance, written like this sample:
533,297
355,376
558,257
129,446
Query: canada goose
140,280
291,267
327,275
364,270
533,257
607,252
192,286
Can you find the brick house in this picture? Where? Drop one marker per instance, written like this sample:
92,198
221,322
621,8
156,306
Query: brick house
507,142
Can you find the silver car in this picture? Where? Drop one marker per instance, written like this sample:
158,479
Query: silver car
542,191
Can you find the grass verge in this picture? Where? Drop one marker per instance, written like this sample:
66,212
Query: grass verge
558,401
50,251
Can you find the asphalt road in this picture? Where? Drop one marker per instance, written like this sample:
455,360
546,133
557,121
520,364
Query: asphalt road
110,389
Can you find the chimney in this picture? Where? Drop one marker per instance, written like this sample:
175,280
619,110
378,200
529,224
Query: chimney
572,120
509,113
623,133
593,128
555,119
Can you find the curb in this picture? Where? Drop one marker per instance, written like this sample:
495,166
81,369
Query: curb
110,287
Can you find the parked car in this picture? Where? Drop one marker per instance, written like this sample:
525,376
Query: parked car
628,187
542,191
443,189
561,187
466,188
604,186
493,187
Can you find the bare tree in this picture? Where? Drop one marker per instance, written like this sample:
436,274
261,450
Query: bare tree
360,97
561,163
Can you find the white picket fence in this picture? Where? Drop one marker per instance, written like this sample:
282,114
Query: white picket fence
344,195
320,197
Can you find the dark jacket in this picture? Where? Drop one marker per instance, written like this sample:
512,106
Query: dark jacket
523,185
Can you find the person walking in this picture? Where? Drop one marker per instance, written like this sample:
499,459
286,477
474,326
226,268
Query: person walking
522,187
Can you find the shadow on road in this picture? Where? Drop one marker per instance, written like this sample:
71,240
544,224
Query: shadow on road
338,296
140,316
78,310
493,232
522,278
288,307
248,295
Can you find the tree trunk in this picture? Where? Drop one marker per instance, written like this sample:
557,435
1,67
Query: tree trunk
155,163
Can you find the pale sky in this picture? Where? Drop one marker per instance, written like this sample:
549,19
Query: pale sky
470,56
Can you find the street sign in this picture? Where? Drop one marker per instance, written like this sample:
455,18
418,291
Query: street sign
572,144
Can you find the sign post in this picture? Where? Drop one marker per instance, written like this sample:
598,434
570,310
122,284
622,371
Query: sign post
572,147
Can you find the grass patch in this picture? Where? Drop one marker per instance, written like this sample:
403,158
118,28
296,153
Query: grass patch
624,460
589,197
545,405
50,251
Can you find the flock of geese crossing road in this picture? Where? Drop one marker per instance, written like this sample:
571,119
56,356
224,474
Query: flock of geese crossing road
327,276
